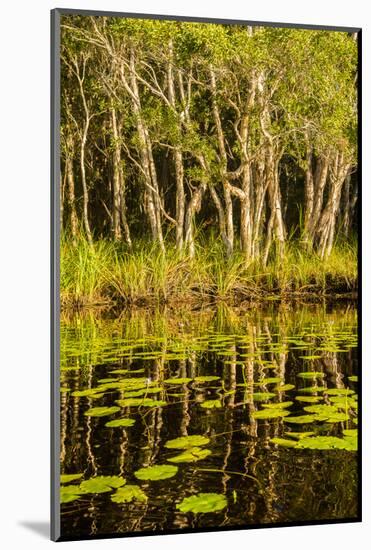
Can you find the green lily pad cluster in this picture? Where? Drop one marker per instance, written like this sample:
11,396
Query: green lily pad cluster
192,448
94,485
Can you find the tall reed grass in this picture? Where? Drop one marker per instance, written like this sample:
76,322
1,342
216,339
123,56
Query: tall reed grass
107,272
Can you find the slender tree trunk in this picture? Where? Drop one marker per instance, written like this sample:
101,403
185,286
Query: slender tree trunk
71,199
116,206
84,185
225,219
178,159
152,198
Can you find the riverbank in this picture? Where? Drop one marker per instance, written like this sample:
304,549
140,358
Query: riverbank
108,273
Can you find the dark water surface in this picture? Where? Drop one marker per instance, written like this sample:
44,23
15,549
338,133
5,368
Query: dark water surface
254,358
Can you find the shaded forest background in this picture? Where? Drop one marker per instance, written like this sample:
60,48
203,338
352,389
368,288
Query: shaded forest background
206,159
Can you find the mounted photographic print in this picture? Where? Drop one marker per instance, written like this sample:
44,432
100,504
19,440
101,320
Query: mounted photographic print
205,203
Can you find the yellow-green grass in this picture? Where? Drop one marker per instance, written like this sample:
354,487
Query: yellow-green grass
108,272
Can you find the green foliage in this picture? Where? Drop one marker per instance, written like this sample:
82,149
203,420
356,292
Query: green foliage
101,484
101,411
192,454
187,442
203,503
128,494
156,473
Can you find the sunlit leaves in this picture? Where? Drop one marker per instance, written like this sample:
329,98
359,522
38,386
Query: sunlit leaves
156,473
101,484
187,441
128,494
193,454
101,411
203,503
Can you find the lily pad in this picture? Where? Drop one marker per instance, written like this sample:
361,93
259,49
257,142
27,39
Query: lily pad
284,387
177,381
283,442
304,419
119,371
310,375
69,493
262,396
101,411
101,484
321,409
85,393
156,473
191,455
281,405
187,442
203,503
211,404
128,494
321,442
120,422
67,478
140,402
308,398
272,380
312,389
340,391
351,433
299,435
201,379
267,414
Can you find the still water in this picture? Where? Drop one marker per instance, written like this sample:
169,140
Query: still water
270,394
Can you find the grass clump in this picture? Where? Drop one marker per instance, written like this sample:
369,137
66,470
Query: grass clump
108,272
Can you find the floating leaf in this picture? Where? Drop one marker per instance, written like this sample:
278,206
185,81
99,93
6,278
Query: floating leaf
305,419
262,396
101,484
321,409
140,402
85,393
267,414
118,371
272,380
201,379
299,435
308,398
128,494
187,442
177,380
156,473
335,417
281,405
203,503
211,404
101,411
344,402
312,389
340,391
310,375
351,433
120,422
321,442
191,455
67,478
284,387
283,442
69,493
